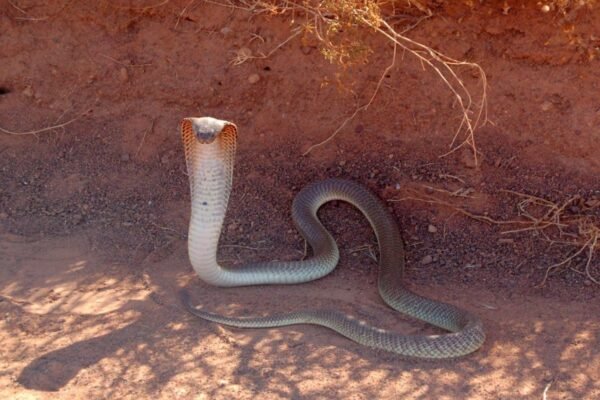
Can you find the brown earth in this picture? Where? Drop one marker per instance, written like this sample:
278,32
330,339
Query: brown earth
93,215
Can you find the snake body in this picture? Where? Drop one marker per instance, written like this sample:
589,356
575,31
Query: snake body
209,151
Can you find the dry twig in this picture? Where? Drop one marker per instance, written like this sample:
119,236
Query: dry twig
242,56
554,220
46,129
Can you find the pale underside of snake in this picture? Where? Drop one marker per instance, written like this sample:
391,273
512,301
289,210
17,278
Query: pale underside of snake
209,152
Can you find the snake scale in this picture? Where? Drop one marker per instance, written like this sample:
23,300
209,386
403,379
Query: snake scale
209,146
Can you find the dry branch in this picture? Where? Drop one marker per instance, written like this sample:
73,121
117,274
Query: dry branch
555,221
48,128
326,20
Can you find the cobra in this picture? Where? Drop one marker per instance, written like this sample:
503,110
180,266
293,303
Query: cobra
209,146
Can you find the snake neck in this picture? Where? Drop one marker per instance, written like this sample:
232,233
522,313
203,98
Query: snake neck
210,174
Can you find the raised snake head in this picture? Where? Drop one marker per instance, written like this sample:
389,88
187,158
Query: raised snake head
205,129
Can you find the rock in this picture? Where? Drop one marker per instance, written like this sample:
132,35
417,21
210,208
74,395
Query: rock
123,75
426,260
125,157
468,158
222,382
244,53
342,163
546,106
431,229
27,92
306,50
254,78
592,203
226,31
3,215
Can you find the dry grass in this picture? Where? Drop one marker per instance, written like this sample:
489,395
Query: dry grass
340,28
574,223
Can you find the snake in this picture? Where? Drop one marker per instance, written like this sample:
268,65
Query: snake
209,147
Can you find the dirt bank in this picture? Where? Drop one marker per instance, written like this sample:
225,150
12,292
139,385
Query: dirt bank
93,214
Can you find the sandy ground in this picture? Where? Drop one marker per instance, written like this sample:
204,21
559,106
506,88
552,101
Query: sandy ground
93,215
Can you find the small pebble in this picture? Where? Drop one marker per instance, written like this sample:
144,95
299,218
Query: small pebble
226,31
468,159
306,50
342,163
254,78
125,157
546,106
431,229
244,53
426,260
27,92
123,75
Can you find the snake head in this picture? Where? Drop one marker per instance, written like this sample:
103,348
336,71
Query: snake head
205,129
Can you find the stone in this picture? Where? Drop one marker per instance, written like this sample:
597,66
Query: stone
27,92
306,50
468,158
546,106
123,75
254,78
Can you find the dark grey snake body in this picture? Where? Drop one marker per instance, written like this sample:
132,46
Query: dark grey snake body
209,148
